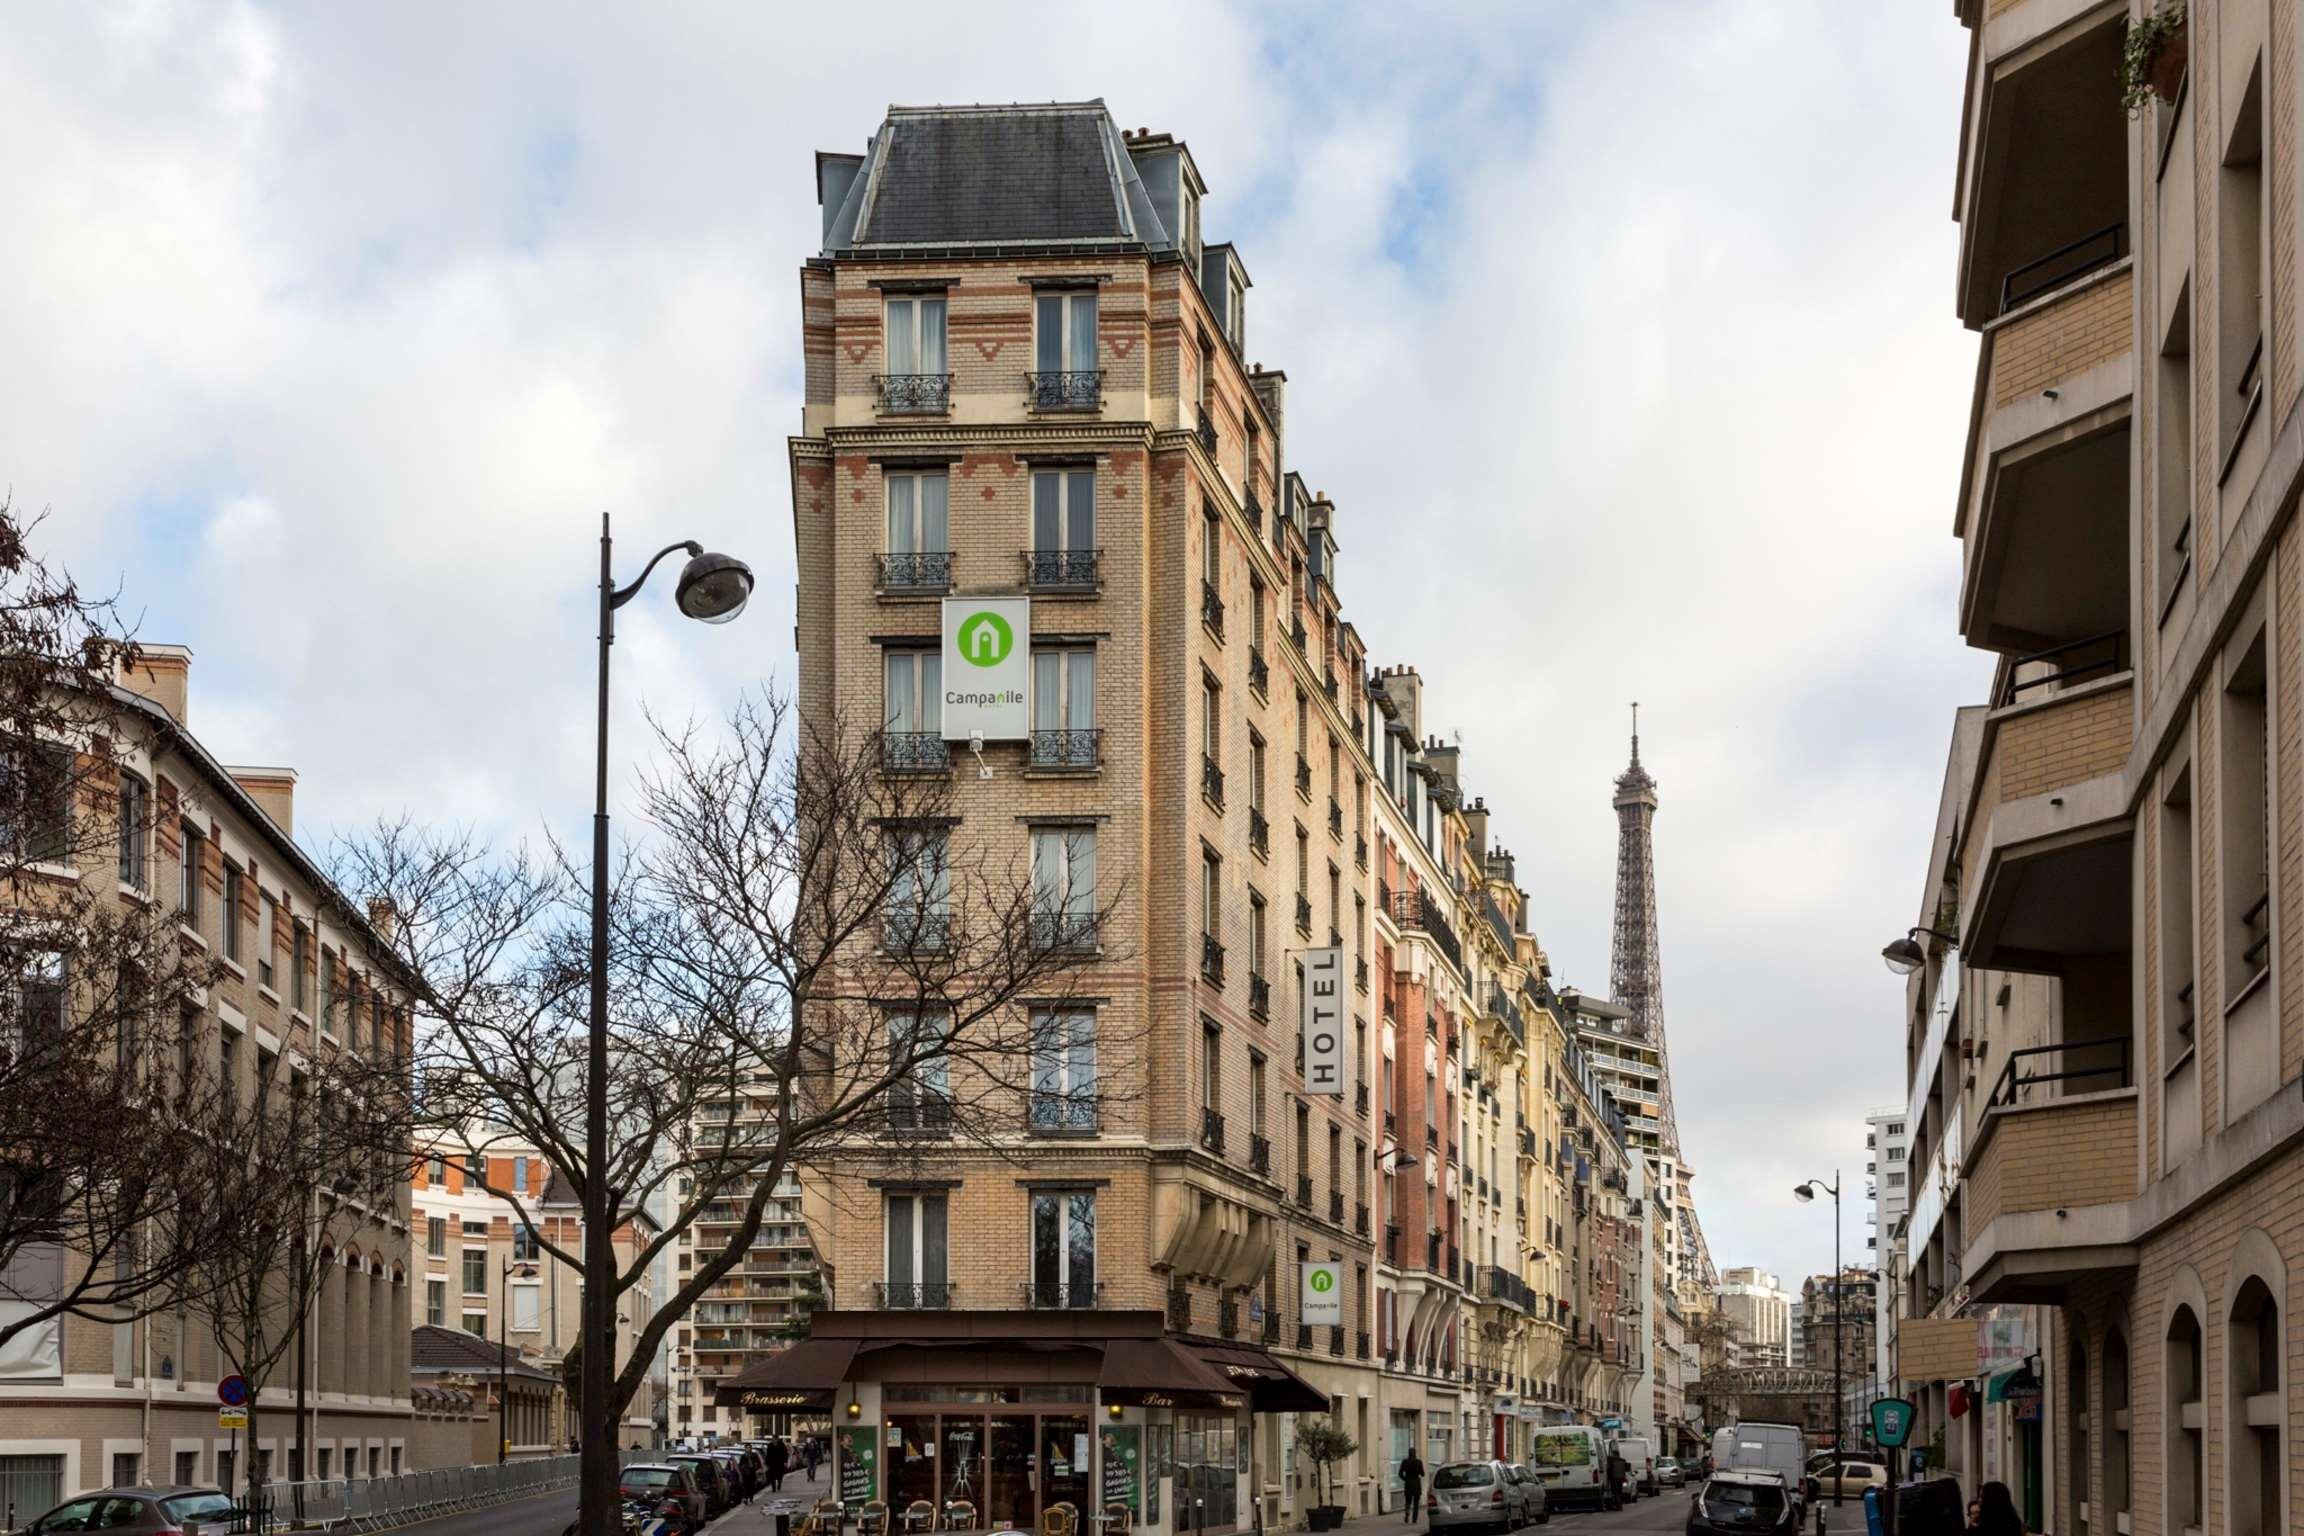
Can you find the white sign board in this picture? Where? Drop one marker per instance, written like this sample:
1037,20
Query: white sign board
1324,1022
987,673
1323,1302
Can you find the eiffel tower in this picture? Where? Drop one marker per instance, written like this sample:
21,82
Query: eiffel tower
1636,964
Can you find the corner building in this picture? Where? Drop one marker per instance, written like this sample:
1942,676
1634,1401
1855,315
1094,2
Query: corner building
2105,1016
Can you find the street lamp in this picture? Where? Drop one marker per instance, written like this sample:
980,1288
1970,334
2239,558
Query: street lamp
505,1274
1904,955
713,588
1805,1193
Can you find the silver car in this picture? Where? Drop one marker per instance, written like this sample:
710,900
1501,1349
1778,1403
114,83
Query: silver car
1669,1473
1484,1495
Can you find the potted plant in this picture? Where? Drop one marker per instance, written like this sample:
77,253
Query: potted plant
2153,56
1324,1444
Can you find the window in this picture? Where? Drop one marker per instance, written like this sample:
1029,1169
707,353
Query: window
1064,708
2252,1365
919,532
475,1324
915,693
2240,273
1064,886
915,335
268,916
2173,449
527,1307
1063,1069
1064,1248
2184,1422
188,874
1064,350
920,889
2245,853
327,982
1211,547
435,1308
475,1229
1212,907
1063,519
1211,1067
1255,771
1256,937
228,1066
918,1261
436,1171
475,1271
299,961
35,1016
527,1248
1895,1178
1255,612
135,828
920,1097
2177,954
235,892
37,789
519,1175
436,1236
1211,720
187,1467
1256,1071
1895,1154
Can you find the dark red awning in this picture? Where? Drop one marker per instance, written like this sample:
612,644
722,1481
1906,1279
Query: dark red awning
804,1376
1271,1386
1158,1373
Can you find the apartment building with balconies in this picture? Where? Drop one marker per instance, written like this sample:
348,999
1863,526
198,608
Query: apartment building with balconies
2103,1019
304,979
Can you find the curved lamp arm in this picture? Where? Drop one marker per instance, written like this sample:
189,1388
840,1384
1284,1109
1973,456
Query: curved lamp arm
625,594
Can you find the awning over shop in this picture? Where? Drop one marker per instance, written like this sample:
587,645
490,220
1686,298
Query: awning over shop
1157,1373
804,1376
1272,1387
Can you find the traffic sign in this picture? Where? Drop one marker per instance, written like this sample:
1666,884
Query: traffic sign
1891,1422
232,1391
232,1418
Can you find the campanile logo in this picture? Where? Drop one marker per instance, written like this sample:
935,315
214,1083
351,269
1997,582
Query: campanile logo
985,639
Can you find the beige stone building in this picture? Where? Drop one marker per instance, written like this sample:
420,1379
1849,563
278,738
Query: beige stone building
90,1403
2105,1017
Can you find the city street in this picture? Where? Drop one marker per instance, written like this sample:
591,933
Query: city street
550,1514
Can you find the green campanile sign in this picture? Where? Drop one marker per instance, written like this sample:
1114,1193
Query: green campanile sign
987,669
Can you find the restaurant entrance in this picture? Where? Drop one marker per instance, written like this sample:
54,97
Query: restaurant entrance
988,1458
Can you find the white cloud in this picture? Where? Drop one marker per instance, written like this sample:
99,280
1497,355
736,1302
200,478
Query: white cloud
1621,336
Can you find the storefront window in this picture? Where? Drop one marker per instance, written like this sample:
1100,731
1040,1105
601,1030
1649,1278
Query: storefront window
911,1460
1065,1461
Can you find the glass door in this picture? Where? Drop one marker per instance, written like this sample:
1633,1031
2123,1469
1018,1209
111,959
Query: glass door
1011,1488
1065,1462
961,1469
911,1477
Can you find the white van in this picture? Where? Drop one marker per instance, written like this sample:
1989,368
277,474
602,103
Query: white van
1640,1455
1778,1448
1572,1461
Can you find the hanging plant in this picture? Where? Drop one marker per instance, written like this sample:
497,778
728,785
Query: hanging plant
2153,56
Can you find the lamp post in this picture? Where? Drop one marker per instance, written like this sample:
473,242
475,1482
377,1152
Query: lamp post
1804,1193
506,1272
713,589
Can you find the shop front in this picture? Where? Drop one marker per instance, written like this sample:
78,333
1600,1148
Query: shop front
1096,1423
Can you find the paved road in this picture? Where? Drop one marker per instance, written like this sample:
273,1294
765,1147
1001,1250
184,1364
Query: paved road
550,1514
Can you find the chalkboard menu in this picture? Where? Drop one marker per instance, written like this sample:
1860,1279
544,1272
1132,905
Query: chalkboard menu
1123,1466
859,1467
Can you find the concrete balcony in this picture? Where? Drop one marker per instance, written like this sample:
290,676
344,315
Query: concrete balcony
2049,1180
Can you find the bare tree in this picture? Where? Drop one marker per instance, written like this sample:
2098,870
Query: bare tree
797,928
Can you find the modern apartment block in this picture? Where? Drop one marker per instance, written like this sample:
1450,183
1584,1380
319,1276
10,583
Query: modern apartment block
2104,1018
483,1206
1887,1176
86,1403
1028,382
1760,1309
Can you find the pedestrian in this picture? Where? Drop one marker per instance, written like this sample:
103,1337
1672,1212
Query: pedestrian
778,1459
1412,1486
812,1454
1996,1511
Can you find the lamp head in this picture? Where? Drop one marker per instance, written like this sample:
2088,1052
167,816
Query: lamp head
1904,956
1803,1193
714,587
1404,1160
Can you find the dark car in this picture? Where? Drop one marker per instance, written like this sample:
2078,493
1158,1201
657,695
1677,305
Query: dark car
134,1509
1743,1504
711,1477
660,1483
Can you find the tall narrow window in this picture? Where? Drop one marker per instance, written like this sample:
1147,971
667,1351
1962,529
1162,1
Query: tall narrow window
299,962
2172,449
918,378
235,893
2178,964
435,1313
1212,910
1211,546
1063,527
520,1175
919,554
918,1271
2243,850
2256,1411
267,946
2240,270
1255,771
1064,886
2118,1425
914,709
188,878
920,889
1064,351
135,831
1064,1069
2082,1421
1257,942
2184,1419
436,1236
327,983
1064,709
920,1091
1064,1248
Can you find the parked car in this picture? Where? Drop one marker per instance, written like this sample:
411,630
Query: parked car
663,1483
1846,1479
1481,1495
1535,1485
1573,1465
134,1509
1668,1473
1641,1457
1743,1504
1753,1446
742,1471
711,1476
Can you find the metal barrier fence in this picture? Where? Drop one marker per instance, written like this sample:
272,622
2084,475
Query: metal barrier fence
368,1504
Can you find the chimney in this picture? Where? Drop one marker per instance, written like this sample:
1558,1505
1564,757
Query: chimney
382,915
1406,691
1476,823
274,790
1271,388
161,673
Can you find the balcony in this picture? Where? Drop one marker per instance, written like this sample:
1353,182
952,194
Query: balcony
1080,750
1259,671
1253,505
1054,1113
917,573
1259,997
1080,389
1073,932
915,752
1061,570
1360,1099
2048,1176
1336,1339
1204,430
1303,777
1268,1332
1061,1295
1336,1207
1304,1190
1392,1243
1212,782
915,1111
1360,849
1228,1318
1360,1218
1360,1343
1212,1131
1259,1153
913,1295
1415,911
1211,609
1296,632
1259,832
912,394
916,932
1211,959
1335,819
1304,914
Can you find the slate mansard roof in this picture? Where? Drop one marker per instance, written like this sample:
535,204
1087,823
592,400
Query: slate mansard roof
957,177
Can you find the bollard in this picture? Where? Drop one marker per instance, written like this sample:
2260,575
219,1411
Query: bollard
783,1522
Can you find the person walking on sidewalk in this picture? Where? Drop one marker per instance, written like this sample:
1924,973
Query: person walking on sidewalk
813,1455
778,1459
1412,1486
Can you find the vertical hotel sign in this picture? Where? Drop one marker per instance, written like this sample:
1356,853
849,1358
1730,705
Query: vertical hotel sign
1324,1022
987,668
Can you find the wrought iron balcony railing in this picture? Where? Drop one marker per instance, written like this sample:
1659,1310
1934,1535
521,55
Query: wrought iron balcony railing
1304,913
1179,1309
916,932
1304,1190
1051,1110
1259,831
919,570
1079,389
1259,997
1255,508
914,1295
1066,749
1335,818
1296,631
1228,1317
1205,430
1392,1242
908,394
1061,570
1360,974
1212,781
1062,1294
1360,849
1360,1098
1211,607
1259,670
919,1111
1063,930
1259,1153
1360,1218
1211,958
1336,1206
1303,776
915,752
1269,1333
1212,1131
1336,1339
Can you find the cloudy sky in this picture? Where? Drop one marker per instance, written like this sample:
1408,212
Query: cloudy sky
1621,335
